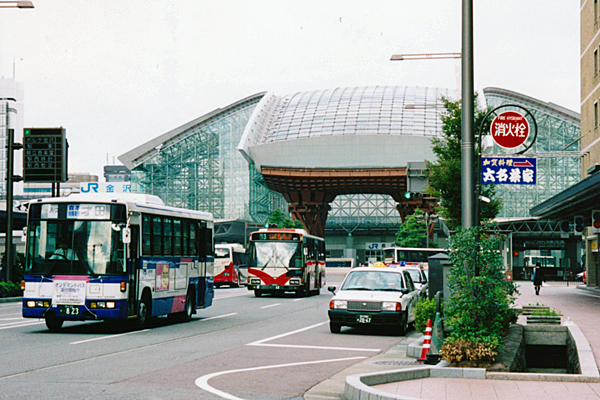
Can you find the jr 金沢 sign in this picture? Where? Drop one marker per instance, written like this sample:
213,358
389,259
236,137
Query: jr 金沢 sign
105,187
508,170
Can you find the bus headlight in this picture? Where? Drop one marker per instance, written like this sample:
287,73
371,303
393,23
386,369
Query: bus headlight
255,281
338,304
30,303
391,306
295,282
110,304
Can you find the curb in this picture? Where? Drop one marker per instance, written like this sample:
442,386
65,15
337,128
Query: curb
358,387
10,299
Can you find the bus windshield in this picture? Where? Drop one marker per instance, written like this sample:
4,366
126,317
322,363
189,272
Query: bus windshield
74,248
277,254
222,252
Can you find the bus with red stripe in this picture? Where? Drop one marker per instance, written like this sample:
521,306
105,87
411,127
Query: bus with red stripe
285,260
230,265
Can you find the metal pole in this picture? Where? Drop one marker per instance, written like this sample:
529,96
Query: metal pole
467,119
9,200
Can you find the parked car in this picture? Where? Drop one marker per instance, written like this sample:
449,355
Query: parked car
380,296
581,277
419,278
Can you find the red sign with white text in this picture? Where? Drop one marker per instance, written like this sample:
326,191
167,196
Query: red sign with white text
509,129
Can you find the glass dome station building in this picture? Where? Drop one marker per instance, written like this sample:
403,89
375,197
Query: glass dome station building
229,160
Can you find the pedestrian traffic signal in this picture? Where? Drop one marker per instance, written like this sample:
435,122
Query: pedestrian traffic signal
578,220
595,221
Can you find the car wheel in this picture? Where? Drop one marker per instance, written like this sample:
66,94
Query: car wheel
404,324
334,327
54,324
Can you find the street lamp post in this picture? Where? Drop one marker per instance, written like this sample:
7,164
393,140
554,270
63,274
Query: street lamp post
10,148
429,220
16,4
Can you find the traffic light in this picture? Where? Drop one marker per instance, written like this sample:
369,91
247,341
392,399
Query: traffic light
565,227
595,221
578,220
412,195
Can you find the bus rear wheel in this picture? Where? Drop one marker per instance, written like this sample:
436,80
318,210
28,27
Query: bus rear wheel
53,323
188,310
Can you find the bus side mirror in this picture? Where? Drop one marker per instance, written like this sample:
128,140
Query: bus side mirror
126,235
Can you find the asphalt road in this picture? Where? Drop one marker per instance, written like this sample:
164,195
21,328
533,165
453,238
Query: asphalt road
242,347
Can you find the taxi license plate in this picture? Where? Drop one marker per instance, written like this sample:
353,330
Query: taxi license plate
363,319
68,310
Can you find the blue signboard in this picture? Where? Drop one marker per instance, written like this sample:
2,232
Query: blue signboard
508,170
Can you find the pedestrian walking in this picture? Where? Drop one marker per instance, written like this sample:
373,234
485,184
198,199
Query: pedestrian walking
538,277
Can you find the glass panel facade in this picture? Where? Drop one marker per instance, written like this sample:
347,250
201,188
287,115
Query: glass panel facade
202,169
557,149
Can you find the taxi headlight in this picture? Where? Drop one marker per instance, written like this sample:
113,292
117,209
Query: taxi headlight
391,306
338,304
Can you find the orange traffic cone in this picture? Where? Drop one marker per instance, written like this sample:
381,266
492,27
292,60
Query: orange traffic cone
426,342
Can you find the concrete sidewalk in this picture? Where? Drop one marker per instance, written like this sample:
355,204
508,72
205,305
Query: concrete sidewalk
541,386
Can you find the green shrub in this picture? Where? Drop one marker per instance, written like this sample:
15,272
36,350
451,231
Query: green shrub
9,289
479,309
547,312
425,310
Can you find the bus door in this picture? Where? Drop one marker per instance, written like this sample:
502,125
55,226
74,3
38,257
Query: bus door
133,271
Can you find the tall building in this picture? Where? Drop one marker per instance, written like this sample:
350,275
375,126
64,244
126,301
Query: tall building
35,190
590,87
116,173
11,117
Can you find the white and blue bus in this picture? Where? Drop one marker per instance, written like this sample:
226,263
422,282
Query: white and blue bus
116,257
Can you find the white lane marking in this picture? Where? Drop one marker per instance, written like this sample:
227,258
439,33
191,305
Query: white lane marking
108,337
262,342
20,325
219,316
202,382
11,319
301,298
258,342
271,305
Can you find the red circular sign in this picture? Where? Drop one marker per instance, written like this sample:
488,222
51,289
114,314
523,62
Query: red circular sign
509,129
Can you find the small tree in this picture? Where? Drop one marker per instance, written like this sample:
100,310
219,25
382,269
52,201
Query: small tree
413,231
279,220
445,173
478,312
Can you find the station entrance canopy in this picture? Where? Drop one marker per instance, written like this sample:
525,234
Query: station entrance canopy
309,192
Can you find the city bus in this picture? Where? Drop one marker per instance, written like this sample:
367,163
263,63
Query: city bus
545,261
286,260
409,255
230,265
116,257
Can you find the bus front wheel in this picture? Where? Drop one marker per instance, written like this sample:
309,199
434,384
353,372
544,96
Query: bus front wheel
53,323
144,313
257,292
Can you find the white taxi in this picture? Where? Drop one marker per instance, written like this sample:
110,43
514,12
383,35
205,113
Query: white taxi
381,296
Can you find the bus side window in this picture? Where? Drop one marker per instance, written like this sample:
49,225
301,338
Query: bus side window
146,235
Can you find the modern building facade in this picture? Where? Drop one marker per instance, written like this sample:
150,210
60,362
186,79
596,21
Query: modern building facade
198,166
218,162
557,150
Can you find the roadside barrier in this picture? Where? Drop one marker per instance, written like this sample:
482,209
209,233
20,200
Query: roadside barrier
426,342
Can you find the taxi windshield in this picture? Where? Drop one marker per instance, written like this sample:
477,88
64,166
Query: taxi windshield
373,280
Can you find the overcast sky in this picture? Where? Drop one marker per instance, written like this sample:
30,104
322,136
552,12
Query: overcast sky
117,73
